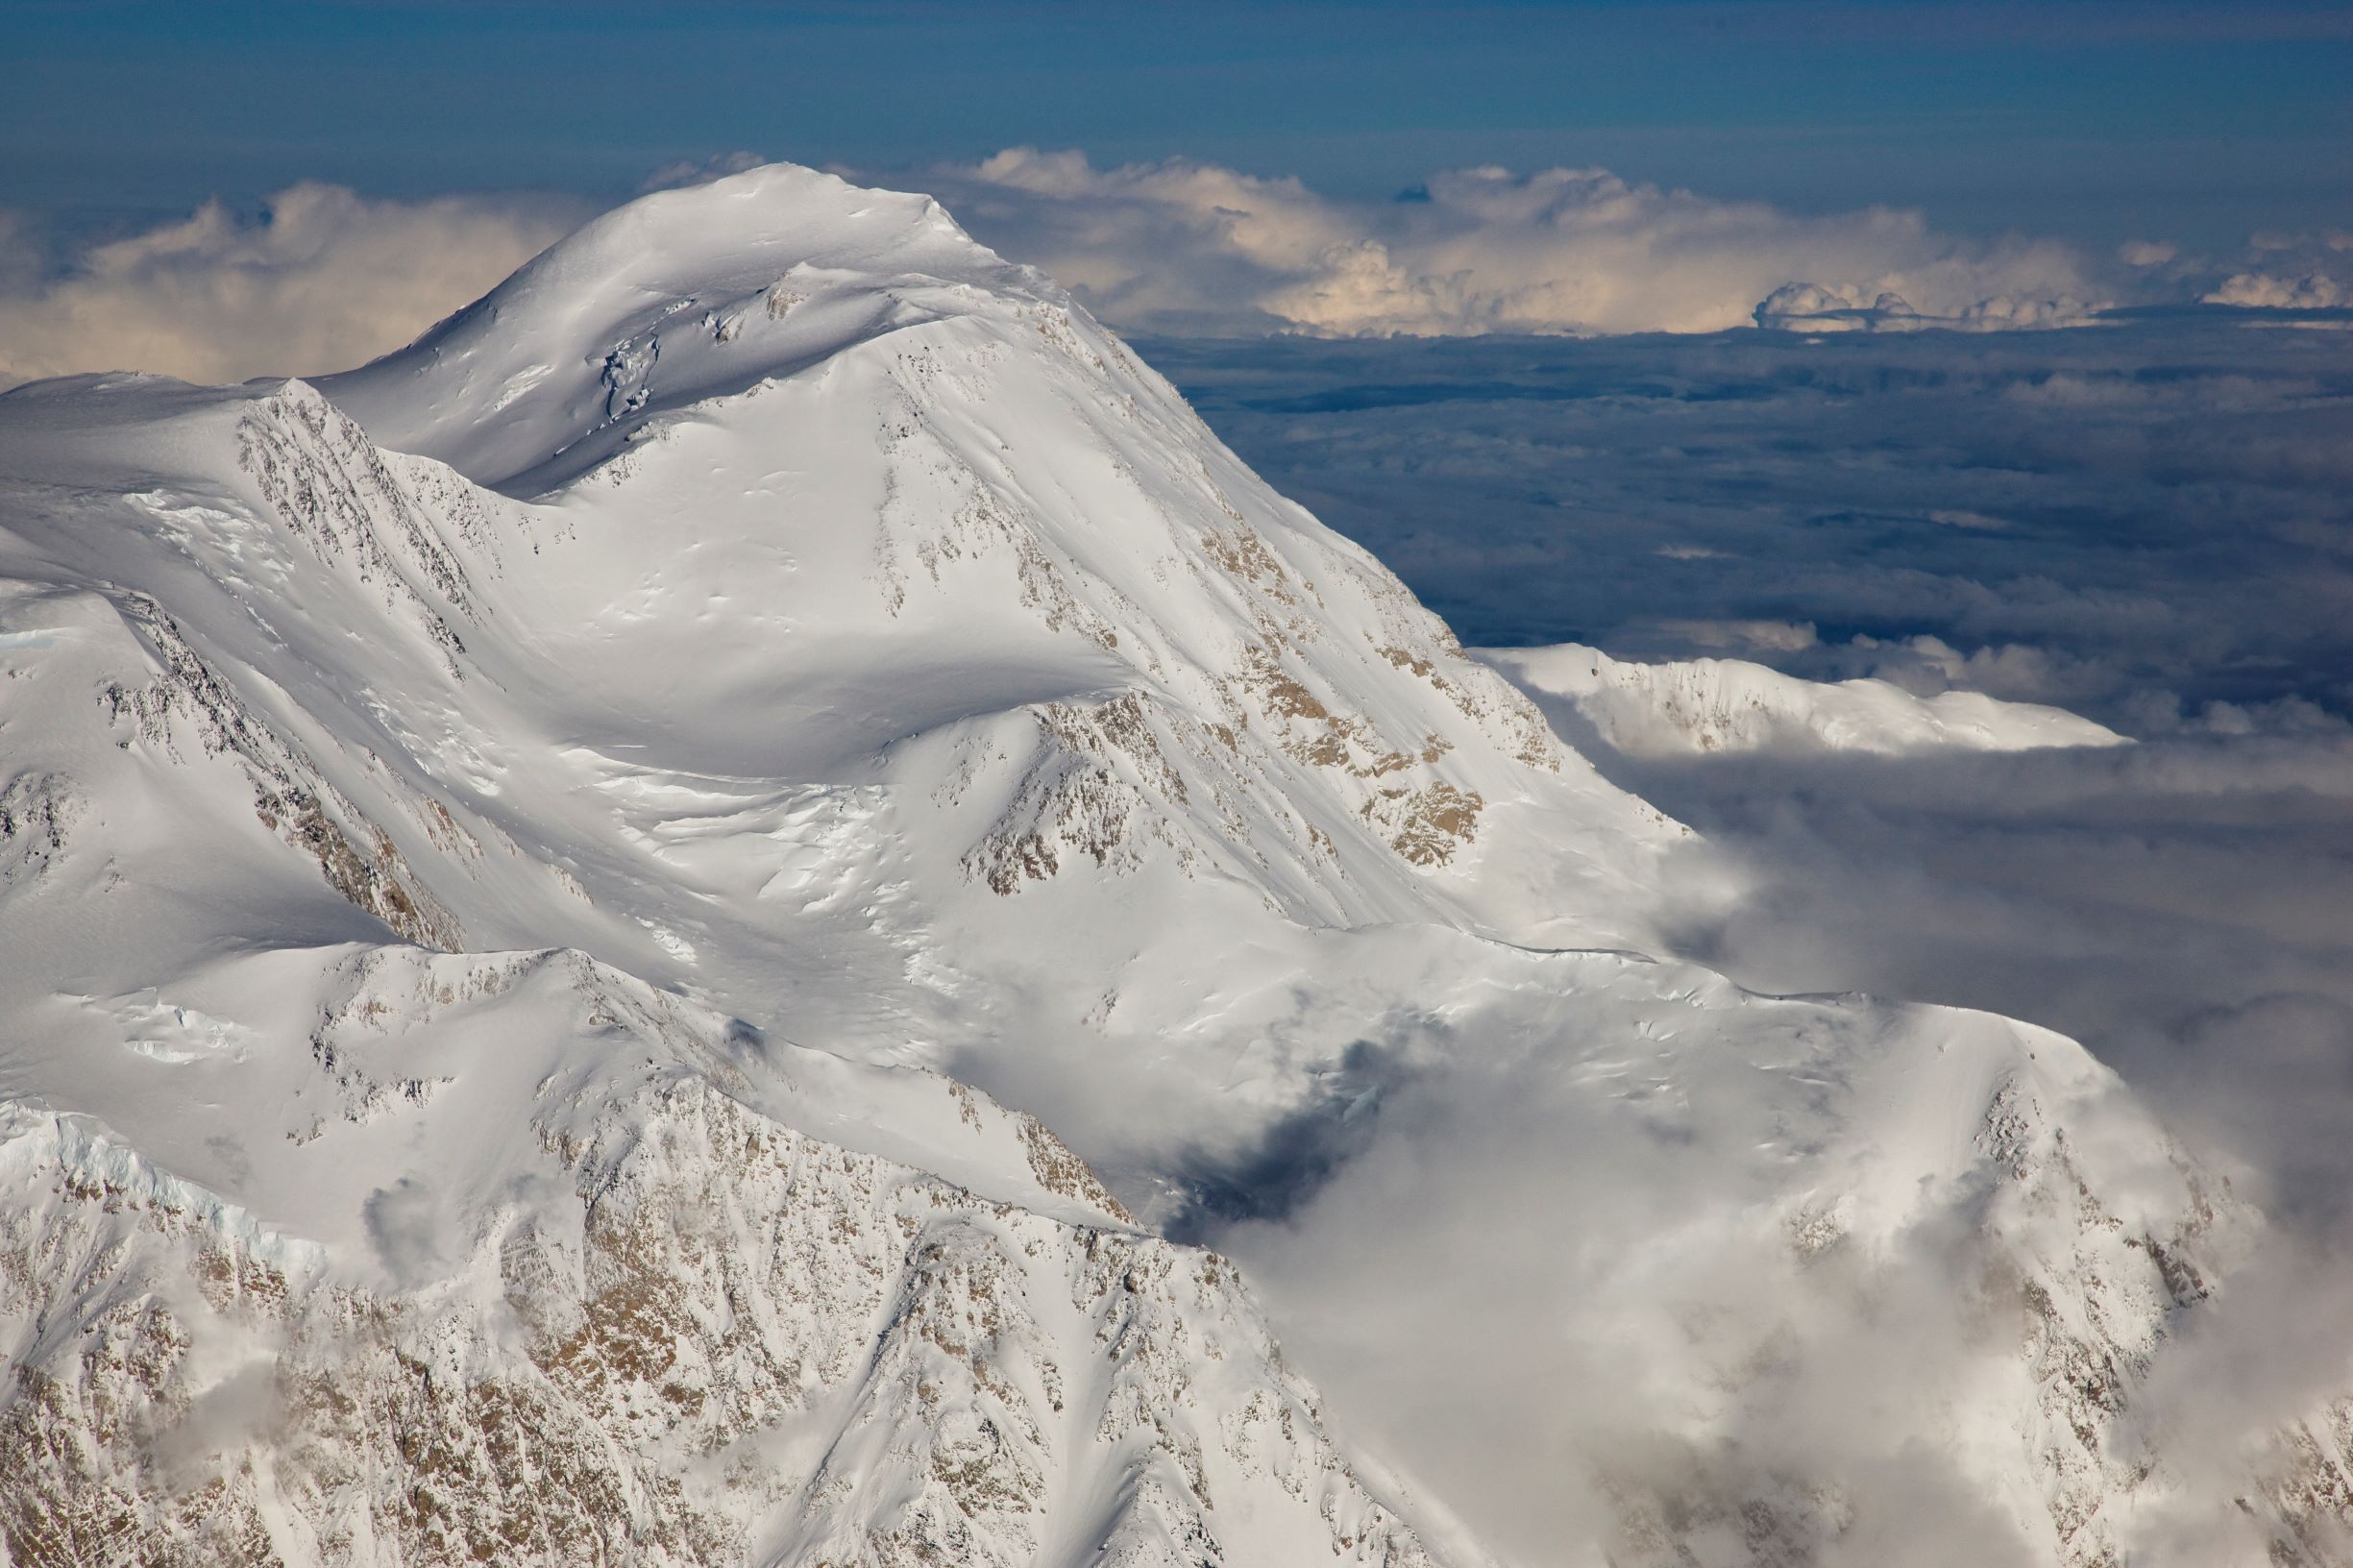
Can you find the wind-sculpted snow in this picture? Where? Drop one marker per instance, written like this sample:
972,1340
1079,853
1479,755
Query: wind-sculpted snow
432,802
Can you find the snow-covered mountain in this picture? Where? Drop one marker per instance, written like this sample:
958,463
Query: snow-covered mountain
1695,705
529,873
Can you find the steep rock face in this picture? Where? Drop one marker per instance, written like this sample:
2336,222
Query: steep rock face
670,1328
773,597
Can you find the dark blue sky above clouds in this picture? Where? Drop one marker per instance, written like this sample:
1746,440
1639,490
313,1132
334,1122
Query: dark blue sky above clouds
2191,122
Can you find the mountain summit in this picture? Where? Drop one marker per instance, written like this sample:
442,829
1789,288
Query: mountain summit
675,299
554,884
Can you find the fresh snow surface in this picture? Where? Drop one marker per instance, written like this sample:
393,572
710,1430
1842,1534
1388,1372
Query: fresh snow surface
1698,705
531,872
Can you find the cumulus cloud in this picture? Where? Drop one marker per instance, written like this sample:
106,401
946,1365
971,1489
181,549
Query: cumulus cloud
325,278
322,280
2292,272
2267,290
1187,246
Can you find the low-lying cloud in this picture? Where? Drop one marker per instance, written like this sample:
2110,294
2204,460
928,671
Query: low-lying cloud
325,278
1181,246
322,280
2292,272
2144,521
1594,1325
2179,906
2147,523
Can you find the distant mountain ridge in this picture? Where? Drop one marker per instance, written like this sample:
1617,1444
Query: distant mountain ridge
1693,705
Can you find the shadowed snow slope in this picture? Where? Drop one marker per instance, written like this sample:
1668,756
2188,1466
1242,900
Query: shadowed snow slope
432,802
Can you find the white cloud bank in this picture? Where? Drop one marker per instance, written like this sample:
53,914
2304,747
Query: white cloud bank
328,279
324,281
1181,246
2295,272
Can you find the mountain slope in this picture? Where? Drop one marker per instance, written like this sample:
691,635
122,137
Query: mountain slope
432,799
323,1248
628,1316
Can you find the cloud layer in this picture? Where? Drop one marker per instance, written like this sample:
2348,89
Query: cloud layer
2175,904
1181,246
326,279
2145,523
323,281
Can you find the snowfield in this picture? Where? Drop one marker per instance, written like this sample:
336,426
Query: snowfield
1698,705
535,874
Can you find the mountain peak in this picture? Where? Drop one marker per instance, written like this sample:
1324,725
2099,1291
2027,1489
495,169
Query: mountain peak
720,285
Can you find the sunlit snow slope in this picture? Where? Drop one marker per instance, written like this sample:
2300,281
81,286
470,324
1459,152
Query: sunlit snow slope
498,850
1700,705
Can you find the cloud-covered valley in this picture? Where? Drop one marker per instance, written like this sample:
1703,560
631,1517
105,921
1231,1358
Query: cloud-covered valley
2144,521
2147,523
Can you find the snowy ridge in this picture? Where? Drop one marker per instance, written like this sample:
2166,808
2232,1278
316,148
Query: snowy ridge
568,820
1731,705
668,1329
37,1145
678,298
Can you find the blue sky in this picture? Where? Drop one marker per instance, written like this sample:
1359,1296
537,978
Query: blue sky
2095,121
